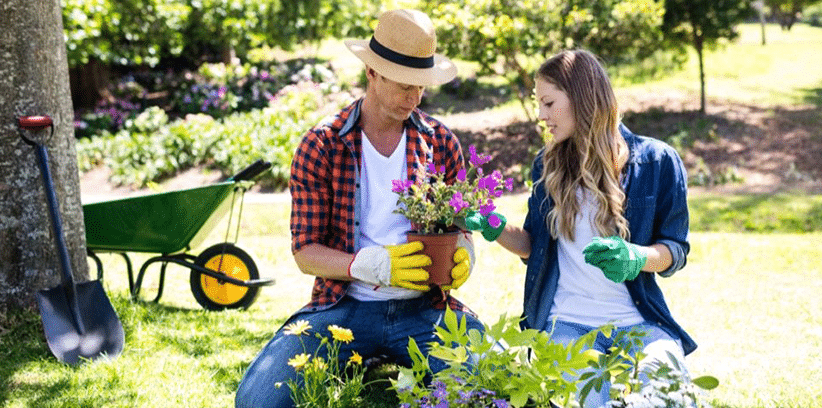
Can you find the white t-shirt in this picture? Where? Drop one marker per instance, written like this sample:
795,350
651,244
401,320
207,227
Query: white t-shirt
584,295
379,225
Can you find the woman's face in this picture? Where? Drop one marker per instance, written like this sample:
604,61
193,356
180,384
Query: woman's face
555,110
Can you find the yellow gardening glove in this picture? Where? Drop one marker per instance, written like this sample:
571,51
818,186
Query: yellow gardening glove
464,260
391,265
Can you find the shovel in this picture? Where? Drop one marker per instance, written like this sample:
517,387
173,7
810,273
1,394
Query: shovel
78,319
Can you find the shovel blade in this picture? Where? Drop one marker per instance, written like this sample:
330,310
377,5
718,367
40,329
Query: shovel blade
102,333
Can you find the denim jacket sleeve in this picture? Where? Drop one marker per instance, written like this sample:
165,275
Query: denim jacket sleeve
657,207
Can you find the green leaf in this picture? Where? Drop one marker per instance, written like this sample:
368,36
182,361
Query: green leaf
706,382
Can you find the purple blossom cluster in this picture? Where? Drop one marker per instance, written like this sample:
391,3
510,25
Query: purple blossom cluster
473,192
441,397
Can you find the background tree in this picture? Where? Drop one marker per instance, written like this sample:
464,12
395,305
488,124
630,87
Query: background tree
702,23
787,12
34,80
511,37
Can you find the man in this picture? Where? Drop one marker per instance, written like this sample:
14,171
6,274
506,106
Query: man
344,229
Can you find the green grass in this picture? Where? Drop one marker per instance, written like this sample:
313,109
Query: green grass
782,72
750,300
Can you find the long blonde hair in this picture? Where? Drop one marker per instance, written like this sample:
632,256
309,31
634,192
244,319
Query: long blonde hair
591,158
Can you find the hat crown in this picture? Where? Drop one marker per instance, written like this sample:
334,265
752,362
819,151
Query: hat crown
408,32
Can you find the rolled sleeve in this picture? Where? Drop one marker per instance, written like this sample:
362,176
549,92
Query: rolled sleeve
673,218
309,189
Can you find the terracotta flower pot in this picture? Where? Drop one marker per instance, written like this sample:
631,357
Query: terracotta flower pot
440,248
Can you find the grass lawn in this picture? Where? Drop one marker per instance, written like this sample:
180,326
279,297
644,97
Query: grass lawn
750,300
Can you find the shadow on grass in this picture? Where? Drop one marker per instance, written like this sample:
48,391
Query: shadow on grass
21,342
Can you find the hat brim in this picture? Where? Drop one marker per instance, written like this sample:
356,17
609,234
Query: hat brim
443,70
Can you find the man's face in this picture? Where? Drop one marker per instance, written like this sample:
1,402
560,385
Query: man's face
396,100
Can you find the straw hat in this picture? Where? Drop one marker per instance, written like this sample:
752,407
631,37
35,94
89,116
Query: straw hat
402,49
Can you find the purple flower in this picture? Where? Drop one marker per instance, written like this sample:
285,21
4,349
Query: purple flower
457,202
509,184
462,175
464,397
400,186
500,403
477,160
494,221
439,390
487,208
488,183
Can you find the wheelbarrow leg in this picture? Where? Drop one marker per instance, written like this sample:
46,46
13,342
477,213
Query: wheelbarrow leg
129,270
98,262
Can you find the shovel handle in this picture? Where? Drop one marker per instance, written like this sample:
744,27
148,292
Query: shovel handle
34,123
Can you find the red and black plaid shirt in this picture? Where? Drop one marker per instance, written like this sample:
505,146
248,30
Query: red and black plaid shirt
325,178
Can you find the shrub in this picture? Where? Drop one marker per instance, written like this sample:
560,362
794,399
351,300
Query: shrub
151,147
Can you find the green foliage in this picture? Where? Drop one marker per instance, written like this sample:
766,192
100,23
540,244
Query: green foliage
144,32
150,147
525,368
512,38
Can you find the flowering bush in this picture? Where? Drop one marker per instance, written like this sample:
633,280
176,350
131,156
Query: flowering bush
433,206
326,382
506,366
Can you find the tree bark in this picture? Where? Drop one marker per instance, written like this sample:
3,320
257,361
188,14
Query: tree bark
34,81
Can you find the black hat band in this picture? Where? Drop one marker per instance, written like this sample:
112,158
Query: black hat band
401,59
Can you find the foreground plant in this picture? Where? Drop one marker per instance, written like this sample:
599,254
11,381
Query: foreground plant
511,367
326,382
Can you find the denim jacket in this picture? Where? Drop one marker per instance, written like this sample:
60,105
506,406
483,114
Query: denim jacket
657,212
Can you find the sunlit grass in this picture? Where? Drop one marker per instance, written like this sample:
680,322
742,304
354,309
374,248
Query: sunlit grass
751,301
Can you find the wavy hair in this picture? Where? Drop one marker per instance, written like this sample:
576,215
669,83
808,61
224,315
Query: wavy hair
590,159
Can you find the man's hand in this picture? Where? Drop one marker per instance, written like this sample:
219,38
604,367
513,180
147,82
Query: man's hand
618,259
391,265
464,260
485,224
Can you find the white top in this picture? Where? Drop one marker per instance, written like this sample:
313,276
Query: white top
379,225
584,295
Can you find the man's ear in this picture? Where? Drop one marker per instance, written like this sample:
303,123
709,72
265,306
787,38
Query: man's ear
371,73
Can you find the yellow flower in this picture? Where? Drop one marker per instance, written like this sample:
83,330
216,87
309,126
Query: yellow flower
298,328
341,334
299,361
355,359
319,364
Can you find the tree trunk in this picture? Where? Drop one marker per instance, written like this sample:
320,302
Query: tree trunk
699,45
34,81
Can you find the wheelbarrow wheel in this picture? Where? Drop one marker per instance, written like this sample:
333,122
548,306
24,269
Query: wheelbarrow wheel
213,294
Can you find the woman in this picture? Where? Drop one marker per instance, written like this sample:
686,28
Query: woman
607,213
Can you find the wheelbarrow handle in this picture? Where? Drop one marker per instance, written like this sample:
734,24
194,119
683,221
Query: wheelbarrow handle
34,123
253,170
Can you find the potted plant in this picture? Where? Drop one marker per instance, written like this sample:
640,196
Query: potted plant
435,208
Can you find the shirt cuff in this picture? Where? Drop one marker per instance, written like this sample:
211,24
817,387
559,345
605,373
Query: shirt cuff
678,257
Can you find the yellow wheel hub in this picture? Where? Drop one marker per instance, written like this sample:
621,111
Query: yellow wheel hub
222,292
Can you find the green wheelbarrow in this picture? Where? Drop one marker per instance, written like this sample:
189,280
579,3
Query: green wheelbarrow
171,224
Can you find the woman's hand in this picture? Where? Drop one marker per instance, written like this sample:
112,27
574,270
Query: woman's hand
618,259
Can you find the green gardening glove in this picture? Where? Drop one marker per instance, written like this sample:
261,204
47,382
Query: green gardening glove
618,259
478,222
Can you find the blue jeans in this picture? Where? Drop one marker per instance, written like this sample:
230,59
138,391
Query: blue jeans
656,344
379,328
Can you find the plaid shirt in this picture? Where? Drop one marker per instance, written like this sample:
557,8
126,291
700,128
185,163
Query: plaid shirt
325,182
